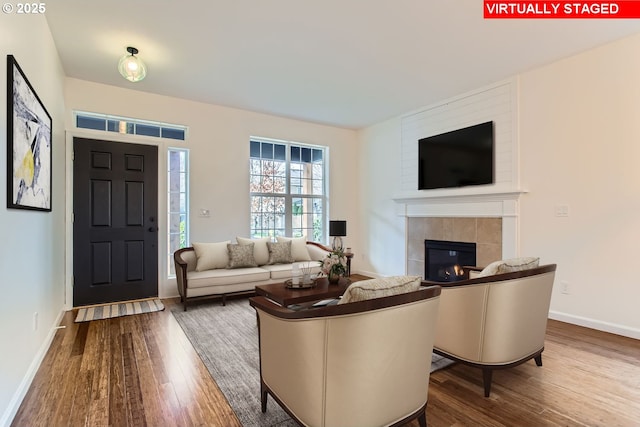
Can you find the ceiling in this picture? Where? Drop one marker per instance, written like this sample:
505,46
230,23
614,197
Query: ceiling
346,63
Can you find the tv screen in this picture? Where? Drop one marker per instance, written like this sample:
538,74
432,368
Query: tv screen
457,159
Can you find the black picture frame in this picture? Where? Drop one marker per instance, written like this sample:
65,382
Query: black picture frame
29,144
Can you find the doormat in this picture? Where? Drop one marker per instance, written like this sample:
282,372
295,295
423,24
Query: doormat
120,309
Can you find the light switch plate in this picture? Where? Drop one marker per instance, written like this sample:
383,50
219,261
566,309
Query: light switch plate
562,210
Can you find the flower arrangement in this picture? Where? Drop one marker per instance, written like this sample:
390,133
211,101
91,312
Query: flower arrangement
334,265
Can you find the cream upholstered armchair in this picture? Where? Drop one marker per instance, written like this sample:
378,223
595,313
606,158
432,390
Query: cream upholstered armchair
495,321
344,365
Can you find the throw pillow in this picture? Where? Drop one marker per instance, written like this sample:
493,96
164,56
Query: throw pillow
211,255
378,288
241,256
260,250
299,250
518,264
280,253
509,266
491,269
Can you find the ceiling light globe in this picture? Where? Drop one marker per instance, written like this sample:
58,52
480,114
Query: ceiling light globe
131,67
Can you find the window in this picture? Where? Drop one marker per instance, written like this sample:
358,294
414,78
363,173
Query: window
287,189
131,126
178,201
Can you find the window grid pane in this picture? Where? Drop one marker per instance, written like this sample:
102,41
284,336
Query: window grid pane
266,176
90,123
267,216
307,218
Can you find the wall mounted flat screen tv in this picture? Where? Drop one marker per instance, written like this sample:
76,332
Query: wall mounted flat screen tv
458,158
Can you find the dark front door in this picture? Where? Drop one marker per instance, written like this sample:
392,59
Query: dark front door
115,228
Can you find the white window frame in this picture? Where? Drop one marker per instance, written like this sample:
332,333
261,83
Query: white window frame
288,195
186,212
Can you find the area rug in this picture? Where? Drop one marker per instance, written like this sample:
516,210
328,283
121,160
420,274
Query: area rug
226,339
116,310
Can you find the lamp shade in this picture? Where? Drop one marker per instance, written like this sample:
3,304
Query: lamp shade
131,67
338,228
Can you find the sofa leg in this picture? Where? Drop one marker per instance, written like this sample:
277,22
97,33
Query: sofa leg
486,378
224,300
538,359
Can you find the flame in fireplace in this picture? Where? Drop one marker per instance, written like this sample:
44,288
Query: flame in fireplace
458,270
455,270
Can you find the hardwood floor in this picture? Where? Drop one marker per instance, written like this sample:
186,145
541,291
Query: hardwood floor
142,371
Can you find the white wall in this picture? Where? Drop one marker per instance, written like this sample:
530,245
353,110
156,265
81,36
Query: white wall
32,250
580,141
382,248
219,155
578,136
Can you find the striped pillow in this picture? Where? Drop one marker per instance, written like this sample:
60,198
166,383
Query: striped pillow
378,288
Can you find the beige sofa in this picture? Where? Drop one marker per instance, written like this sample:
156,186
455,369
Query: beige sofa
496,321
222,281
363,363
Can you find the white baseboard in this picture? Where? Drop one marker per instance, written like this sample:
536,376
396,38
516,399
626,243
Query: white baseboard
599,325
21,392
169,296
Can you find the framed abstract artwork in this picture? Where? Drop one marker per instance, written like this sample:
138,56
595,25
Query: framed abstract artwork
29,137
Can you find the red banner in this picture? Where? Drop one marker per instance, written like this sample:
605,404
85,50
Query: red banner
629,9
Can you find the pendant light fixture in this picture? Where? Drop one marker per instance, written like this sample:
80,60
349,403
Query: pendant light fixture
131,67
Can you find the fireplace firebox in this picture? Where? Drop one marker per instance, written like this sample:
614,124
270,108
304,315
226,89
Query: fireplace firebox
444,259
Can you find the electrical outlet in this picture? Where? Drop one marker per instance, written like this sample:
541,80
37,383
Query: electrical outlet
564,287
35,321
205,213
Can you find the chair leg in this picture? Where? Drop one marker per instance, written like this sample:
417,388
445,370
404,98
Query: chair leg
538,359
487,373
263,398
422,419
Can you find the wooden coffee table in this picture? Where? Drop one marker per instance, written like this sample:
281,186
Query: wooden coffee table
284,296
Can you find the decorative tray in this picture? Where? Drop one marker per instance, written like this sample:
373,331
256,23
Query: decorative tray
289,284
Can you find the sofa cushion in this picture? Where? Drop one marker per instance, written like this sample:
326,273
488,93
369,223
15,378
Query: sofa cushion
260,249
241,256
211,255
383,287
285,271
299,250
223,276
280,253
509,266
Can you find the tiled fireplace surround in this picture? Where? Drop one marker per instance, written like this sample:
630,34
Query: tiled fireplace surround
490,220
486,233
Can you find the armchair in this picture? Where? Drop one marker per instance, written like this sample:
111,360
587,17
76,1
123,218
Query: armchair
495,322
343,365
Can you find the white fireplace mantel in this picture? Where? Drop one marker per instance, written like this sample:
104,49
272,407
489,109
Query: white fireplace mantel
474,203
458,195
